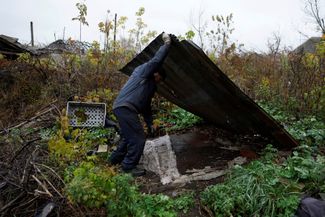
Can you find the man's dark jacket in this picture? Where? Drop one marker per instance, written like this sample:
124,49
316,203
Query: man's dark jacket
140,88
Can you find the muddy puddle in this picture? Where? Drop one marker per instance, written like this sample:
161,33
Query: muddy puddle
196,150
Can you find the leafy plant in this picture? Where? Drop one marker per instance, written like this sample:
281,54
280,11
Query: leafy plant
90,185
269,153
47,133
184,202
81,115
304,167
265,188
68,144
256,190
99,186
179,118
308,130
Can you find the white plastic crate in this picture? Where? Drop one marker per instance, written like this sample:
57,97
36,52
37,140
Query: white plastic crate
83,114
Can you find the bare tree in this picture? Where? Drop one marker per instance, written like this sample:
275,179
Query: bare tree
199,26
274,43
312,9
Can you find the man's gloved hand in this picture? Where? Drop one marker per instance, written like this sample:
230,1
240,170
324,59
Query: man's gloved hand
166,38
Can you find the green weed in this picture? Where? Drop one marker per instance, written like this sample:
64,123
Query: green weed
97,186
308,130
179,119
264,188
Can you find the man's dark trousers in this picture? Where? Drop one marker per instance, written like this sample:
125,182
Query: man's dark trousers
130,149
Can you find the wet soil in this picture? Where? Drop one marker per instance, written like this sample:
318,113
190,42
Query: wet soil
207,145
198,148
195,150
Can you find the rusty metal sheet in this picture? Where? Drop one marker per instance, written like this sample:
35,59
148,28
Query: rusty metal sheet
197,85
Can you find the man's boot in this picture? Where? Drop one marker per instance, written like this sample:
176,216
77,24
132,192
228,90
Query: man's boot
135,172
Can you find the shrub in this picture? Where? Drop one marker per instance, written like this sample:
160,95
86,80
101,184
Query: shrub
99,186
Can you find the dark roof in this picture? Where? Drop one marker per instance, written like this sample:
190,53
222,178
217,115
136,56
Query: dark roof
196,84
65,46
308,46
10,46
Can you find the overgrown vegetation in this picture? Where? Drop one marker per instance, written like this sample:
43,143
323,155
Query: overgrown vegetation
91,182
267,187
288,85
309,130
99,186
272,186
178,119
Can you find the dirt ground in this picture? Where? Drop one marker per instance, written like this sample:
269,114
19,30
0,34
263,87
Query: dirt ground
197,148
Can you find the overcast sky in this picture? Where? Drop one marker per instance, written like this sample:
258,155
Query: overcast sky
254,20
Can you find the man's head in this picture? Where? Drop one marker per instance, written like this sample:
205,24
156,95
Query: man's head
159,76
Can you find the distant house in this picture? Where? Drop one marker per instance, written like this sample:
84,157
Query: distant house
65,46
308,46
56,49
11,48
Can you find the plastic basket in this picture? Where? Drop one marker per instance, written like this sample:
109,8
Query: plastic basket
83,114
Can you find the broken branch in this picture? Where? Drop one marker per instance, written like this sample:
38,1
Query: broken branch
42,185
27,121
38,170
